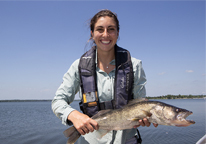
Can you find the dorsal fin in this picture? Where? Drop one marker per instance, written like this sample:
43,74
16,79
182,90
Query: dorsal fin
101,113
136,100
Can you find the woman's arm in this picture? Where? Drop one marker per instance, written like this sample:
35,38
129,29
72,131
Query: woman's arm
65,94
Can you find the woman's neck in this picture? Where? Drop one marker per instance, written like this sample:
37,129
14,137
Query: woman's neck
104,59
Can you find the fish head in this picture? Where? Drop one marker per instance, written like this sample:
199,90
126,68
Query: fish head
177,116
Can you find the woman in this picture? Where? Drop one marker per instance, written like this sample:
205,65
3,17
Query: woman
95,75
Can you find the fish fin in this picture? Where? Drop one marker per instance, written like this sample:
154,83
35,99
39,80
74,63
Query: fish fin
101,113
136,100
135,119
147,113
73,135
100,133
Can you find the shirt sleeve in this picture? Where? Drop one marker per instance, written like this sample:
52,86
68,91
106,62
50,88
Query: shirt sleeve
139,79
65,94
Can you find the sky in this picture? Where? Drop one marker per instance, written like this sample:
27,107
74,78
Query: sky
39,40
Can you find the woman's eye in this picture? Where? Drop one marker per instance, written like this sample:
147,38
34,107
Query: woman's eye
100,30
111,30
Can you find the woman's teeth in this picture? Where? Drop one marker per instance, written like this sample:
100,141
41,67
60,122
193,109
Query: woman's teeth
105,42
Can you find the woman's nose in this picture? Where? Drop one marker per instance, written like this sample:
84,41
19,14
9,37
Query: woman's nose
105,33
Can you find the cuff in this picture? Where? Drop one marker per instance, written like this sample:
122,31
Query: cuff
65,116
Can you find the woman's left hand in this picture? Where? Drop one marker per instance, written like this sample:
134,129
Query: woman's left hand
145,122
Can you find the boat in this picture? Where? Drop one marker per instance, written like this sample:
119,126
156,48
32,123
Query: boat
202,140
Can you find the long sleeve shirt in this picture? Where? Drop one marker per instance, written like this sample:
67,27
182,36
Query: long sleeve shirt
71,85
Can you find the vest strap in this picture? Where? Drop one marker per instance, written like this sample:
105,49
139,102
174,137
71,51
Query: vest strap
106,105
123,82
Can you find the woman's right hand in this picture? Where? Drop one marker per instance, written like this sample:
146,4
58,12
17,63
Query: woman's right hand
83,123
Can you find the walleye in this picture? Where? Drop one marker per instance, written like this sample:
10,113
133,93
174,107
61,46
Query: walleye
129,115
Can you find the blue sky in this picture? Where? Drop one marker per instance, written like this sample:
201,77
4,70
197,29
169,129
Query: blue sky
39,40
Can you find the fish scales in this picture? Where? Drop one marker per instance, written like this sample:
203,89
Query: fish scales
128,116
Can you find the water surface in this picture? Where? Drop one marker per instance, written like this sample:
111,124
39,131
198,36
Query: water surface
35,123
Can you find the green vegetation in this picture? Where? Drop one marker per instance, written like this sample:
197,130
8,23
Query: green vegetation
178,97
156,97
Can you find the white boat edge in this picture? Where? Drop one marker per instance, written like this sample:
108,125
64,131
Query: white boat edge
202,140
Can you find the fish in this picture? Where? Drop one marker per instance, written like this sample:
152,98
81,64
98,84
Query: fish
129,115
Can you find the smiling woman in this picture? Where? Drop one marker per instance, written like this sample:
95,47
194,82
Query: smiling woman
104,33
107,77
105,36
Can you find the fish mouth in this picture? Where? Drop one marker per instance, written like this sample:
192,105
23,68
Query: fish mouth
181,120
184,123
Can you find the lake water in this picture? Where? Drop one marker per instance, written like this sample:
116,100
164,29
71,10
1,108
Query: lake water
35,123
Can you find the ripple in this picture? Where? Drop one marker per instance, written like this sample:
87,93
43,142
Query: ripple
35,123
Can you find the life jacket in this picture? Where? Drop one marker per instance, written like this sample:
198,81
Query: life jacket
123,85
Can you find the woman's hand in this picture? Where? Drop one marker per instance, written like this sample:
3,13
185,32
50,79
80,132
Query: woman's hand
145,122
83,123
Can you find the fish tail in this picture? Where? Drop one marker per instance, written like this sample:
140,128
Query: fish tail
73,135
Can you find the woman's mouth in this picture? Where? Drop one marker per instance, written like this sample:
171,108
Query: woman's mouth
105,42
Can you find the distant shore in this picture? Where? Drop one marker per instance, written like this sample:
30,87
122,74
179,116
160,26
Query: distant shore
156,97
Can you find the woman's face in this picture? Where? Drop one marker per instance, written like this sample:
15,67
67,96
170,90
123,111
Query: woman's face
105,33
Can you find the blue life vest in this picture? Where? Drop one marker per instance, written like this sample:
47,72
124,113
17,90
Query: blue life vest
123,85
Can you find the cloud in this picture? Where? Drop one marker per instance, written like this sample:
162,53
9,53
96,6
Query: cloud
162,73
45,90
189,71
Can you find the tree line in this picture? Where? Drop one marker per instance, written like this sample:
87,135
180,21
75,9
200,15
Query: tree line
148,97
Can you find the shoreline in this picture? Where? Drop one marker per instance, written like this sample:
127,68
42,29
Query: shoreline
152,98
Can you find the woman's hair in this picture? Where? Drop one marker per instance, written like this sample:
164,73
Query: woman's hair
103,13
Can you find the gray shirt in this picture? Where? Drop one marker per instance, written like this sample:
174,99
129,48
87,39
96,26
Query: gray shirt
70,86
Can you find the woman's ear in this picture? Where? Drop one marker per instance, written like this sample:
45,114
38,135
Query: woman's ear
92,35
